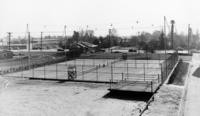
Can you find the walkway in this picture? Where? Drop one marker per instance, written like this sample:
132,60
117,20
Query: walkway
192,104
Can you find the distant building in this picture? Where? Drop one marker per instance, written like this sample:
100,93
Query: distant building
4,54
14,47
87,47
46,43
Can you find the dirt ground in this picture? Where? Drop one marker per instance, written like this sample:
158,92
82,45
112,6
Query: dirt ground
44,98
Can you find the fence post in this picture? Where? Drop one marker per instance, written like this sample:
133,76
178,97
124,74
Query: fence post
82,71
93,62
110,84
111,73
21,68
144,71
122,76
56,70
147,62
159,58
127,70
33,71
135,63
44,72
151,86
97,72
166,70
161,72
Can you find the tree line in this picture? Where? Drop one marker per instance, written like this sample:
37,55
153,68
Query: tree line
145,41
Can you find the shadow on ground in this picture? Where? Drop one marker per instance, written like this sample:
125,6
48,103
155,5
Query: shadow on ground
179,74
197,72
129,95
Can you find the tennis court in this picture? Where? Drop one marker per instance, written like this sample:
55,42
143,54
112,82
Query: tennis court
97,70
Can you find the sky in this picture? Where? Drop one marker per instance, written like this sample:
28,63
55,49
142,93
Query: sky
50,16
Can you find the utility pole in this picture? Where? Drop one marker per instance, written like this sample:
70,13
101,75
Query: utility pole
41,41
29,45
65,27
189,34
9,38
65,36
165,41
137,33
172,33
28,37
29,54
29,41
109,35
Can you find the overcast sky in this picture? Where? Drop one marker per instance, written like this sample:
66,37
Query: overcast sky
52,15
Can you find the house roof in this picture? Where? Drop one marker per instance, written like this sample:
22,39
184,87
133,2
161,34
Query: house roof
89,44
